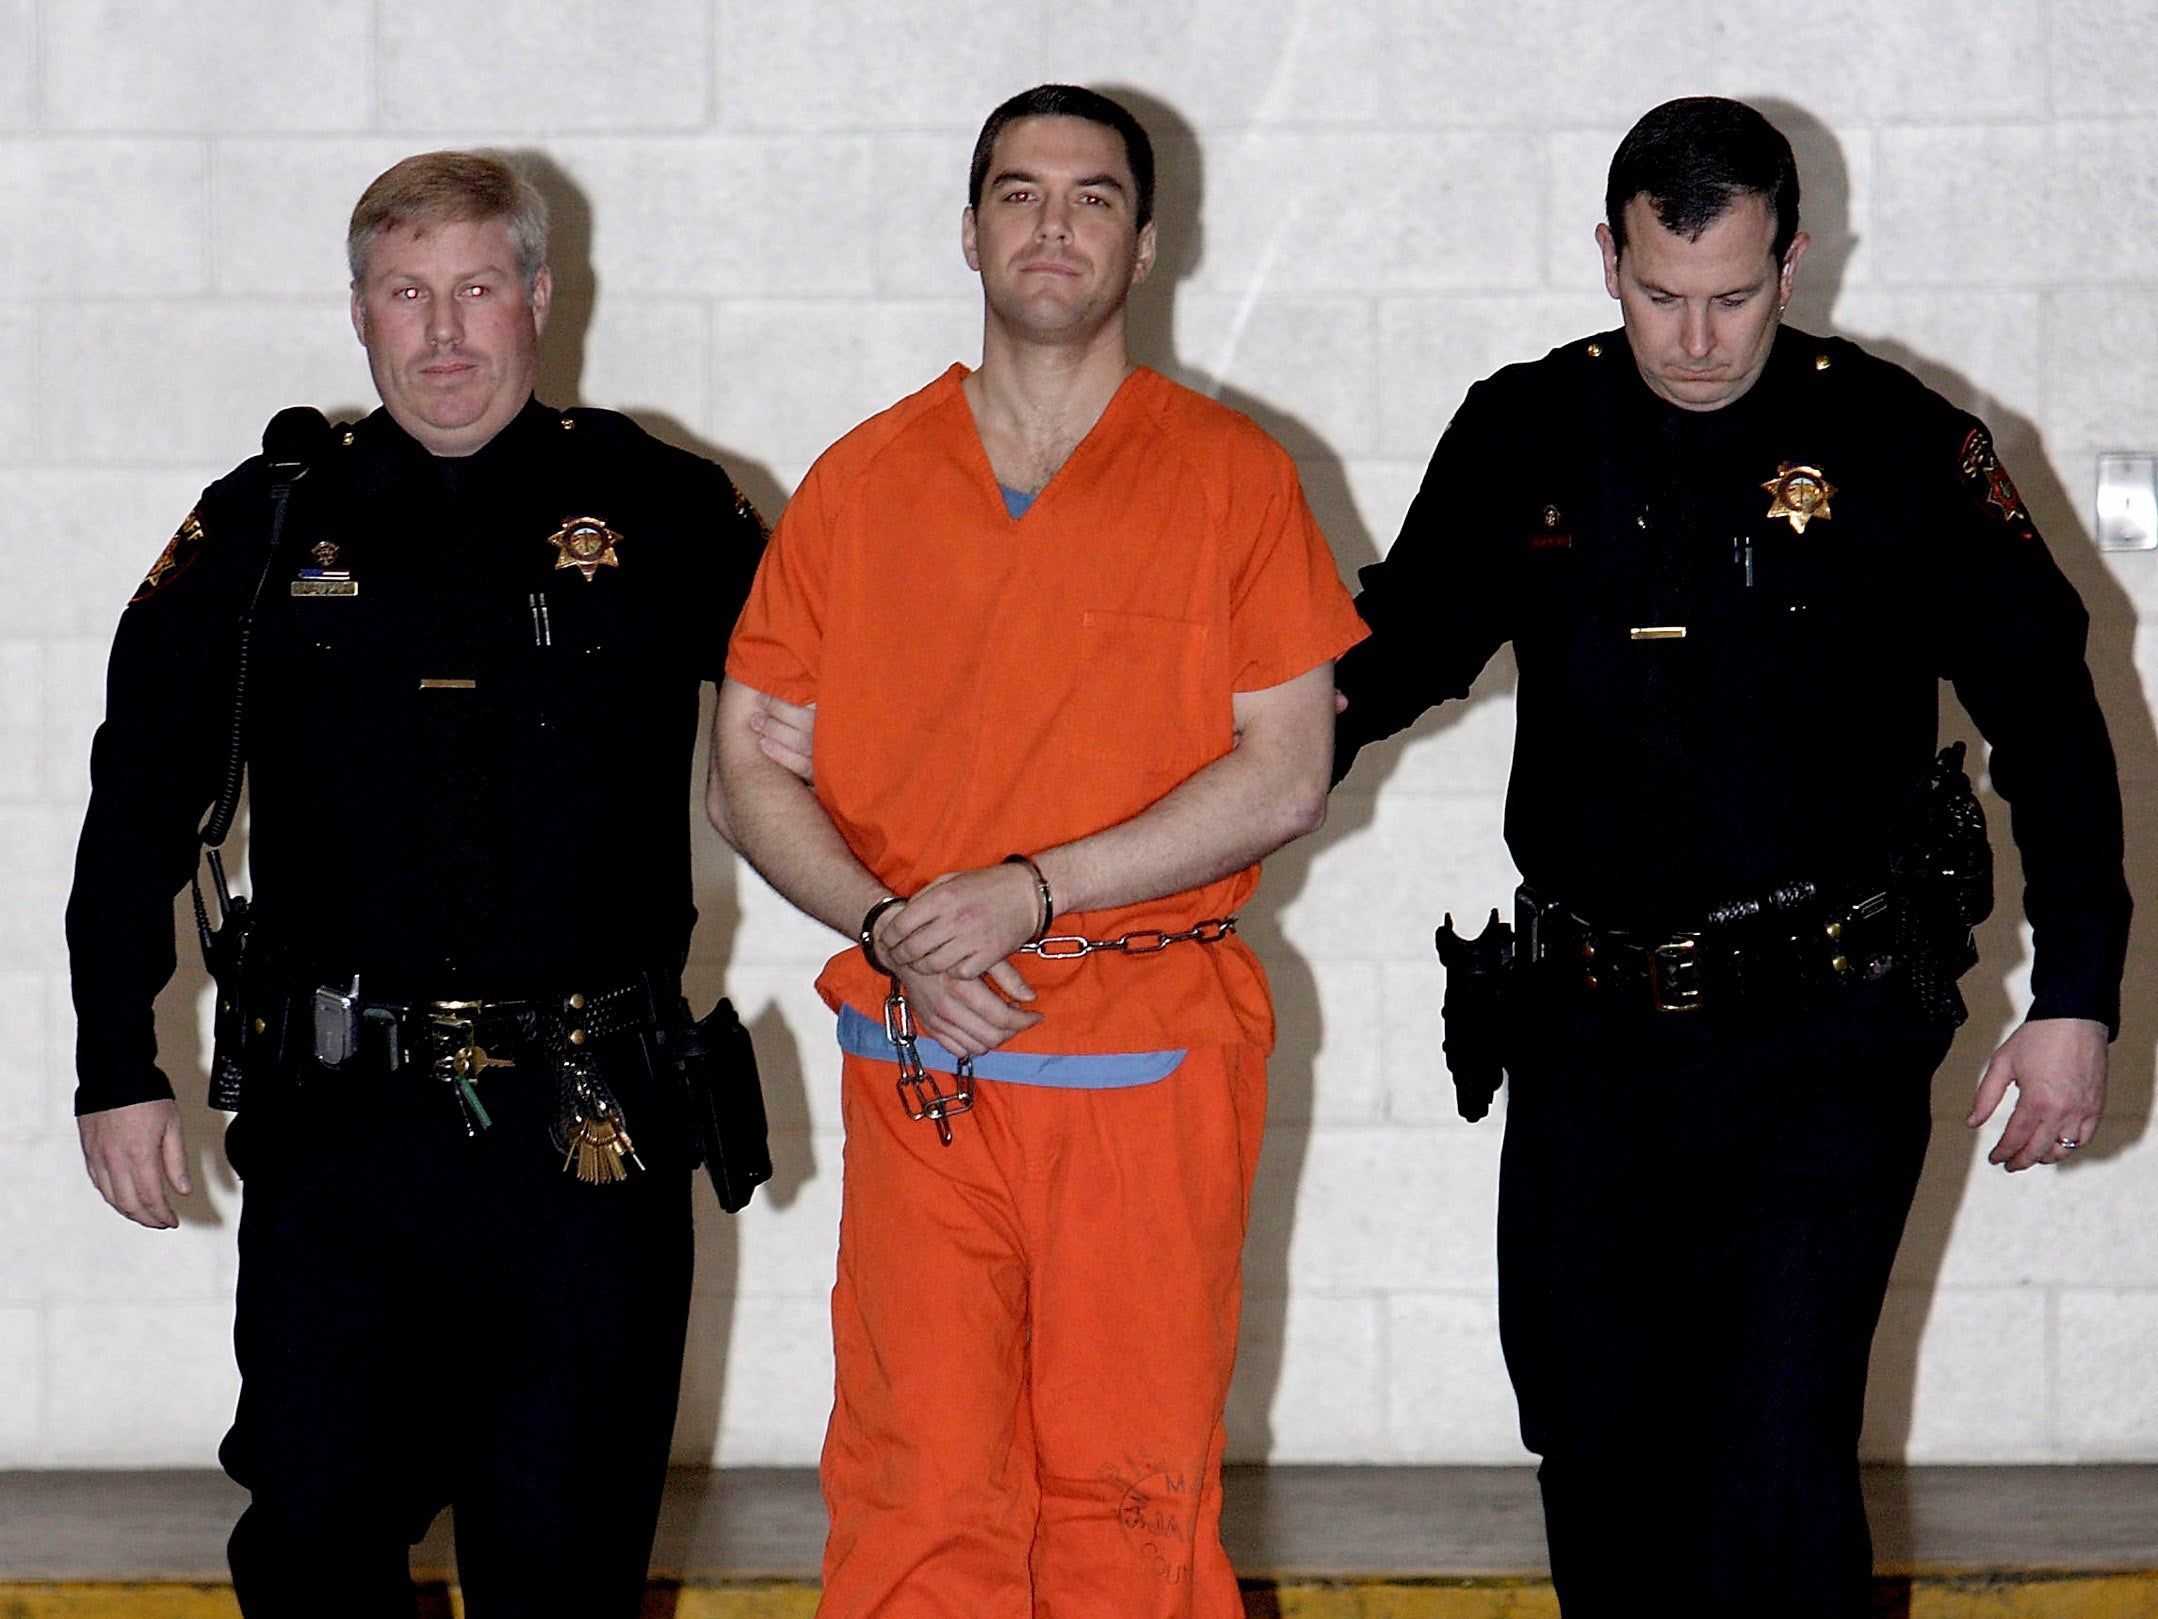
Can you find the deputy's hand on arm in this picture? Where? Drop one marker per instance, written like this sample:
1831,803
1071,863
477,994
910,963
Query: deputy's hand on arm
768,812
131,1153
2058,1067
787,734
1267,790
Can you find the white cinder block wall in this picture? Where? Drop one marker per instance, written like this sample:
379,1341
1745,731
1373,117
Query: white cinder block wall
1367,205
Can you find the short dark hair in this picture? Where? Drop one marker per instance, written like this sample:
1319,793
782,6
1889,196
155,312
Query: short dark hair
1690,157
1069,101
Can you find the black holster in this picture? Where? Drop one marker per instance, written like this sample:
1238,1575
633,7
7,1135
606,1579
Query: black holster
716,1065
247,1030
1479,974
1941,880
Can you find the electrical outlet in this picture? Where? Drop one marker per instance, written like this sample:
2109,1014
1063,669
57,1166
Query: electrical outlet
2128,502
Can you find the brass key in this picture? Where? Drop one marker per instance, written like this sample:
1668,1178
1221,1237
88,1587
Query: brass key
469,1062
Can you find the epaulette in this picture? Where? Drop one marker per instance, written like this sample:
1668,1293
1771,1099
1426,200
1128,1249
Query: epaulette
593,421
1826,354
746,511
612,427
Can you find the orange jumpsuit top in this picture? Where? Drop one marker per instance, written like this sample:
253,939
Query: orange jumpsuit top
988,686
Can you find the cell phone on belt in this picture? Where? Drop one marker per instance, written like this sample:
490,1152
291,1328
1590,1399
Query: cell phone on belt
337,1024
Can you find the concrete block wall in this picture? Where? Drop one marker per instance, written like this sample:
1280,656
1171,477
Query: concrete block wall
1367,205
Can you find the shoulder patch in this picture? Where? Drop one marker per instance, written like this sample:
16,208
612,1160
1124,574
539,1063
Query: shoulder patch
180,551
1982,469
746,510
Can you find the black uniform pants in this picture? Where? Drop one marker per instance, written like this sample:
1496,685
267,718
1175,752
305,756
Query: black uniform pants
427,1319
1695,1235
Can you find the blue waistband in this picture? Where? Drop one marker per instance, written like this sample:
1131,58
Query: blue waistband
861,1036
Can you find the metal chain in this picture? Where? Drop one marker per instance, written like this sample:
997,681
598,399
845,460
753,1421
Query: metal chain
1143,942
919,1092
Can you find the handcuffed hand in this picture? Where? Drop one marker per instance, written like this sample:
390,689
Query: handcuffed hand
969,1015
964,923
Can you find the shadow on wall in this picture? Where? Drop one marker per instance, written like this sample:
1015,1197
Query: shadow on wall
1951,1164
718,1250
1180,211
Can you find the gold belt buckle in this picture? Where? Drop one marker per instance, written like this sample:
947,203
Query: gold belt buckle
1674,975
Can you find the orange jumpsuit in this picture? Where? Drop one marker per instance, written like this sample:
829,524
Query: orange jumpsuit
1035,1327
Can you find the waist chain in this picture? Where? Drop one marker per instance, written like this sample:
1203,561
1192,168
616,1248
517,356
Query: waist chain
1143,942
919,1092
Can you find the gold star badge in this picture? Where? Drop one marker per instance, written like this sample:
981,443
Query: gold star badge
586,544
1801,494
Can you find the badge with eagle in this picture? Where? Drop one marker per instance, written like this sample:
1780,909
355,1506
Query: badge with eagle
586,544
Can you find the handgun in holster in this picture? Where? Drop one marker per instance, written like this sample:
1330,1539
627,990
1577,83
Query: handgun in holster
1479,982
1941,878
716,1065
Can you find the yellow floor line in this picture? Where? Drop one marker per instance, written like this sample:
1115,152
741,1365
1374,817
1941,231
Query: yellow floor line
116,1601
2021,1596
1392,1599
775,1599
2061,1596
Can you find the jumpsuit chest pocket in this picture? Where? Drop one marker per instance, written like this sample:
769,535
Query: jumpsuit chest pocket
1138,691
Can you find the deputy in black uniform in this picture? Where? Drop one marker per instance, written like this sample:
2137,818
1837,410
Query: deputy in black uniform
470,703
1735,562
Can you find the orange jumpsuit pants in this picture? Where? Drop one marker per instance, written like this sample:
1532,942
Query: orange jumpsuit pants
1035,1329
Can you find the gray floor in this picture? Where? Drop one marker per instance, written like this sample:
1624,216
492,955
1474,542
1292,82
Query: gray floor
1281,1522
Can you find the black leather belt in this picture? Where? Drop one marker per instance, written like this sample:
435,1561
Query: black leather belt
1782,950
457,1038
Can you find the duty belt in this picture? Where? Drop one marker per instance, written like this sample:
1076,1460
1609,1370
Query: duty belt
462,1038
1781,948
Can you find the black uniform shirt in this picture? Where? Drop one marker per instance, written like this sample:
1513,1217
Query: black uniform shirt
1571,511
469,776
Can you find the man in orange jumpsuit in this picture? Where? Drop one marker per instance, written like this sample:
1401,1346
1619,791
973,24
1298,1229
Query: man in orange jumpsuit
1069,632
